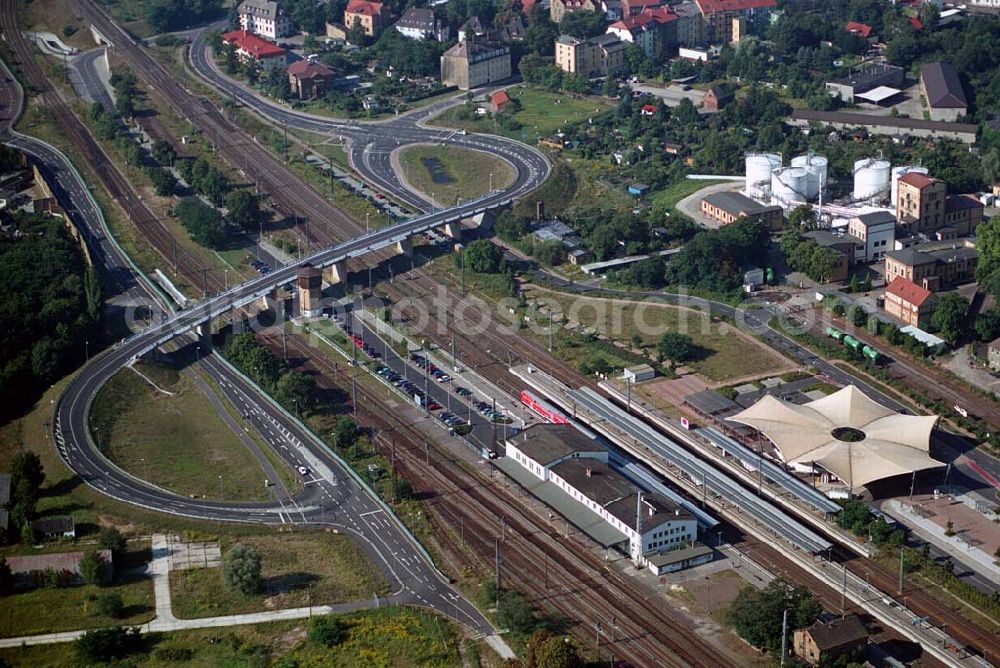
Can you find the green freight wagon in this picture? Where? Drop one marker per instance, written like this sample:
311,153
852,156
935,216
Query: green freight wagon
871,353
834,333
852,342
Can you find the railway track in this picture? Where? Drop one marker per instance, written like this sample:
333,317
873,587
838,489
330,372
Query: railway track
573,582
113,181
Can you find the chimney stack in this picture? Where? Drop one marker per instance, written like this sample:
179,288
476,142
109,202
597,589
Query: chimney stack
589,472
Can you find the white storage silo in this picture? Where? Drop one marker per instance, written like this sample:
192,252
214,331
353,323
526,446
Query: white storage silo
816,167
897,173
789,184
871,179
758,172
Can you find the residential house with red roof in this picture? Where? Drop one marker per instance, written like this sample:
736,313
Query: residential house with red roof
498,100
723,18
253,48
862,30
371,17
653,30
911,303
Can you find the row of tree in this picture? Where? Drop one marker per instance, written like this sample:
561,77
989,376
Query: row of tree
294,390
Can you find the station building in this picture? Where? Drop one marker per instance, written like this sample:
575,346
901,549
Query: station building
656,532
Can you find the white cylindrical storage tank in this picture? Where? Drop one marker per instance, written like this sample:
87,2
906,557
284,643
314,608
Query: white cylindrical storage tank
789,184
818,165
871,179
758,170
897,173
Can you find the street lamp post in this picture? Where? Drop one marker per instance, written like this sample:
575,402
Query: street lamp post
221,495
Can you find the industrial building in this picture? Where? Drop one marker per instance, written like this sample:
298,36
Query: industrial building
865,79
885,125
656,532
846,433
876,234
824,642
911,303
934,265
941,87
727,207
309,282
923,205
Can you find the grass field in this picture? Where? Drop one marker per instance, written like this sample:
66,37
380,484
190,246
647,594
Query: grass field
541,114
175,441
48,610
298,570
675,192
723,353
385,638
453,174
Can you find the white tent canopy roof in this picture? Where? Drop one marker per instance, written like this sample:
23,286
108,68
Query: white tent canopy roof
889,443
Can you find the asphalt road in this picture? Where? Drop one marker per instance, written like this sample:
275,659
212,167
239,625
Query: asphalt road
332,497
373,142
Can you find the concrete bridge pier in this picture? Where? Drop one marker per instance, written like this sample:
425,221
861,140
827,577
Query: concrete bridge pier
405,247
453,230
204,331
337,273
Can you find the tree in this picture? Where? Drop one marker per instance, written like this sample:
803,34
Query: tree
110,605
163,181
112,539
802,216
6,578
329,631
556,652
27,466
202,222
515,613
107,644
345,432
988,325
483,257
244,209
550,253
583,24
950,316
93,569
757,615
675,347
295,389
241,569
164,152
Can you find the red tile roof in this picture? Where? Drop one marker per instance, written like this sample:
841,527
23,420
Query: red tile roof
908,291
364,7
713,6
916,23
649,108
960,202
859,29
304,69
499,98
256,46
916,179
526,6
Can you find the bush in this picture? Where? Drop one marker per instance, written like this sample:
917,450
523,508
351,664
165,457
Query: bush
110,605
112,539
328,631
173,654
483,257
107,644
241,569
93,569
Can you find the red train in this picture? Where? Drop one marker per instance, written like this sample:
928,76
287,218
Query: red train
543,408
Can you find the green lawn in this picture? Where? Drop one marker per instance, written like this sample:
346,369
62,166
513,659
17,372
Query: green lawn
298,569
542,113
48,610
176,441
391,637
675,192
723,352
453,174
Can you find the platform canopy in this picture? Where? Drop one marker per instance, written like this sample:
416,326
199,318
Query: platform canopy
847,433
